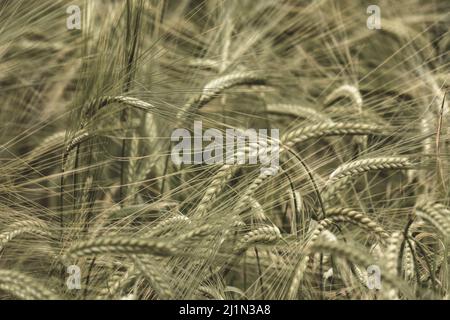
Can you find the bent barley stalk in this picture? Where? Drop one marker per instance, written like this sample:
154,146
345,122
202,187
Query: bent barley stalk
217,86
302,265
118,245
392,283
298,111
343,175
96,104
76,141
315,131
263,235
346,90
349,215
168,225
22,227
155,276
24,287
303,134
51,142
437,215
117,282
218,182
372,164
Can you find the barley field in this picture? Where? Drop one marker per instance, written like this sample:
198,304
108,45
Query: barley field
348,98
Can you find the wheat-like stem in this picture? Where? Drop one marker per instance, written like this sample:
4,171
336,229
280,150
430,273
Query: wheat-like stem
392,260
53,141
24,287
349,215
217,86
217,184
437,214
121,245
298,111
118,281
392,253
168,225
99,103
346,90
371,164
319,130
199,232
76,141
156,277
304,133
302,265
359,257
210,292
22,227
262,235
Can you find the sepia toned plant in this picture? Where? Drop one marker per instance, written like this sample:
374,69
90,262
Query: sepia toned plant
321,169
